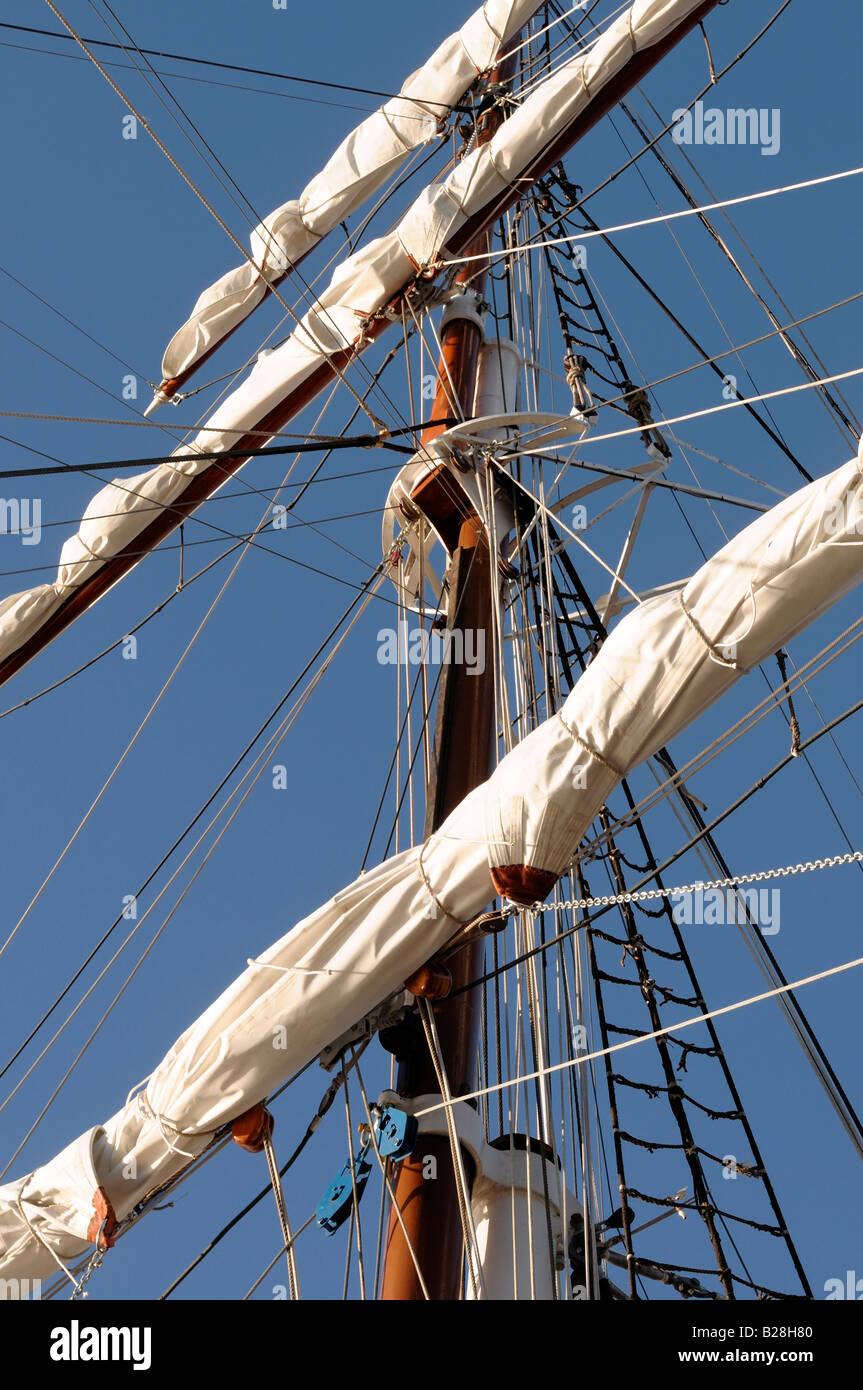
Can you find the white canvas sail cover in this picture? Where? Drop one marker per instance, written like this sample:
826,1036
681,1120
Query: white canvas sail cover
370,155
663,664
359,291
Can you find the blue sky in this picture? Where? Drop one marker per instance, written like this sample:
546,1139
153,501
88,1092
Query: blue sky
105,230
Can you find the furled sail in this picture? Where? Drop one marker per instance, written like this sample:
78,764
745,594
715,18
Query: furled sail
360,166
131,516
664,664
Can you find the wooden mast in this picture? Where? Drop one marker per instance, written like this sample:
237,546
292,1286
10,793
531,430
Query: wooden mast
463,758
428,1205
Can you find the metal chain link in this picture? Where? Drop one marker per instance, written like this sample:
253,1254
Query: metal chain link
647,894
94,1263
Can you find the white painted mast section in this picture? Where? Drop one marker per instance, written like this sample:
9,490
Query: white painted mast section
665,663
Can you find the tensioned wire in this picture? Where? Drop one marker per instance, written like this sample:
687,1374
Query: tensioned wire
830,402
150,712
714,79
158,608
706,361
658,1033
220,1140
404,174
753,259
22,704
187,179
175,545
694,840
789,713
831,411
54,310
274,742
181,76
237,67
395,184
389,1187
805,368
311,1129
303,485
579,46
237,763
660,219
184,516
249,538
623,167
663,422
326,444
261,72
185,176
826,656
734,349
236,372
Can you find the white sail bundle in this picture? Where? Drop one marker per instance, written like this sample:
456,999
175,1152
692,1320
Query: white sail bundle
371,154
665,663
358,294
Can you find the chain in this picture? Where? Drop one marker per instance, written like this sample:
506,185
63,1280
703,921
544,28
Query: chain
93,1264
647,894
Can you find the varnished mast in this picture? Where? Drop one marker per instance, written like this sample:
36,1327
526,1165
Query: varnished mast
463,758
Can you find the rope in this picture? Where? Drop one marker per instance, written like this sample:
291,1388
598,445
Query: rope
711,410
249,540
582,1058
262,757
378,424
745,725
279,1194
274,1261
782,662
530,245
468,1229
591,752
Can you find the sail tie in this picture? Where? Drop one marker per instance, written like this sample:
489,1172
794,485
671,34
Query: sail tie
717,654
592,752
19,1206
147,1109
435,899
781,660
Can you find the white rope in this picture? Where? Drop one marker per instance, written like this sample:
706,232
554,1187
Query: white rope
275,1260
659,1033
460,1176
652,221
662,423
19,1206
284,1223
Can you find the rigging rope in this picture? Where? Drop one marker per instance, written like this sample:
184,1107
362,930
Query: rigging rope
583,1058
278,1193
531,245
